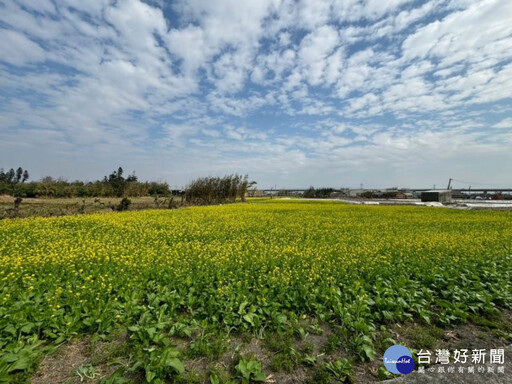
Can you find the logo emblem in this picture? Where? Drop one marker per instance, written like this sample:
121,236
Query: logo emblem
398,359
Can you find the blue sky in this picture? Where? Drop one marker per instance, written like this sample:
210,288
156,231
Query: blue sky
294,93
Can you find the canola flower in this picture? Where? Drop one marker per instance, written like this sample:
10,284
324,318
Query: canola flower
246,267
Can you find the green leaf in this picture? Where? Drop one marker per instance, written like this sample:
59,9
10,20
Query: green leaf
88,321
27,327
151,332
117,377
387,315
369,352
10,329
175,363
309,360
150,375
383,373
10,357
242,307
249,318
259,377
214,378
21,364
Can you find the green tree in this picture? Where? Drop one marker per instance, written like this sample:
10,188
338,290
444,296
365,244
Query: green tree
117,182
12,178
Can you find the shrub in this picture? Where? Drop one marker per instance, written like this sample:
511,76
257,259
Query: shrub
124,204
217,190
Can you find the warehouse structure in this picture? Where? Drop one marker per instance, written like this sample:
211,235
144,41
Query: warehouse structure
442,196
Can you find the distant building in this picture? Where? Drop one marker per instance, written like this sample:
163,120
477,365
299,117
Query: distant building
255,193
355,192
400,195
441,196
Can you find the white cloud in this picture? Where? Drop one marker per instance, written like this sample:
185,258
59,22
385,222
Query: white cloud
504,124
189,45
354,10
468,34
17,49
314,50
302,88
407,17
41,6
377,8
314,14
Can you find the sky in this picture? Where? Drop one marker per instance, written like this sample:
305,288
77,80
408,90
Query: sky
383,93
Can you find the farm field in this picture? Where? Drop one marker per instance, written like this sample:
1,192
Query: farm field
272,290
48,207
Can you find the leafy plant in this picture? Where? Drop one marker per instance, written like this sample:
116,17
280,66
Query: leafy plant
180,283
341,370
86,371
249,371
159,364
383,373
124,204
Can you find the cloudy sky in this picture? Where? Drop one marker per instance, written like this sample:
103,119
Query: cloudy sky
294,93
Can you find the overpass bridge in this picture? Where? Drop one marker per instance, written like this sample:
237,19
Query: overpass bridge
460,190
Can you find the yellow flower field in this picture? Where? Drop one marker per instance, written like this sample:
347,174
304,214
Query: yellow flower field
252,267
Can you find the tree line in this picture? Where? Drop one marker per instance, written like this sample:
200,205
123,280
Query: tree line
218,190
14,183
318,193
10,179
201,191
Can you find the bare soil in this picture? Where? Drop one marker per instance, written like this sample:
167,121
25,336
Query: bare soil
487,333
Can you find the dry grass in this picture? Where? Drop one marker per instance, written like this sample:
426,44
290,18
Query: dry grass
47,207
